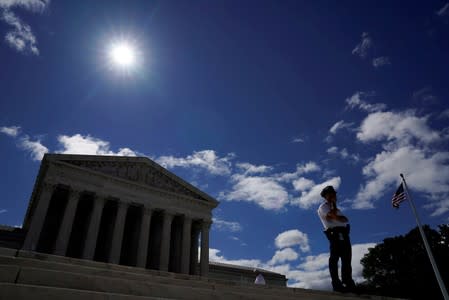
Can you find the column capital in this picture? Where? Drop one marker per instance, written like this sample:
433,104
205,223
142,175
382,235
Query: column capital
147,209
205,224
74,193
100,198
122,205
168,214
50,186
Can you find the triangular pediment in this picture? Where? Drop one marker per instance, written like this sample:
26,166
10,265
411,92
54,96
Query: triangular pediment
137,169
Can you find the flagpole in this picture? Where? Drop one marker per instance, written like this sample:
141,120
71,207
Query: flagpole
426,243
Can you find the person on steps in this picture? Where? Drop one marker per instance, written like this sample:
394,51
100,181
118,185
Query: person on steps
336,229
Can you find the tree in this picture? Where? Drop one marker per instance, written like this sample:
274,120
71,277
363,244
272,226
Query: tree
400,267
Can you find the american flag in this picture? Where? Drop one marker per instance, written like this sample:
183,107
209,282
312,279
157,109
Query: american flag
399,196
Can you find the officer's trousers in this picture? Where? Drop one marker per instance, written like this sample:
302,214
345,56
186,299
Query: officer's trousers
340,248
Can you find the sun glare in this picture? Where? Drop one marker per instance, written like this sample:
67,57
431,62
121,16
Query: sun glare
123,54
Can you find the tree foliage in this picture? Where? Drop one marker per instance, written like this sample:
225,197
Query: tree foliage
400,267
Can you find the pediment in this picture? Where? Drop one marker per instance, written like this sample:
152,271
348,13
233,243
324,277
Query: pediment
139,169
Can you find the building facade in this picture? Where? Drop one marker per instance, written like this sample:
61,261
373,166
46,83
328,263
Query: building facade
120,210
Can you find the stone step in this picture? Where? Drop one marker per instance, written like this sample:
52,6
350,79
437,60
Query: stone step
75,281
10,291
41,277
14,261
183,280
38,260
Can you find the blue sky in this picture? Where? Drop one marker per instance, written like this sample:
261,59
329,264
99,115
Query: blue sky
259,103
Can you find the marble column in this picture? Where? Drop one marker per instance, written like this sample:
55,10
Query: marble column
185,249
204,263
38,218
165,241
142,251
93,228
117,236
194,248
65,229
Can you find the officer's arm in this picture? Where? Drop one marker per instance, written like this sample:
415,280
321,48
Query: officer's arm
332,215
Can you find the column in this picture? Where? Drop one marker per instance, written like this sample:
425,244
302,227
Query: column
165,241
38,218
204,263
93,228
194,248
142,251
65,229
185,250
117,237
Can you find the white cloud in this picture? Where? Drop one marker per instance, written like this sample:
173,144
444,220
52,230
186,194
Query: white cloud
253,169
332,150
2,211
300,170
358,101
205,159
307,168
381,61
401,126
302,184
234,238
409,146
86,144
312,196
343,153
21,37
281,256
11,130
215,256
338,126
226,225
298,140
364,46
291,238
425,95
315,262
444,114
36,149
265,191
316,280
443,11
33,5
425,172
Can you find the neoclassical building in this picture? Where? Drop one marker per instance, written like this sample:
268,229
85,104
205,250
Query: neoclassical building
120,210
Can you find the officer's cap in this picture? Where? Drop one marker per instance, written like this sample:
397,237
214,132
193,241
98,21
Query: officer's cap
327,190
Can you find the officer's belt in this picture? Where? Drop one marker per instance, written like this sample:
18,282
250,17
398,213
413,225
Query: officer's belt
334,231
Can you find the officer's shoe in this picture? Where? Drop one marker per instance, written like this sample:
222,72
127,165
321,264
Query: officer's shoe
338,287
350,287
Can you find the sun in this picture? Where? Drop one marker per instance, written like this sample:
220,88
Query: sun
123,54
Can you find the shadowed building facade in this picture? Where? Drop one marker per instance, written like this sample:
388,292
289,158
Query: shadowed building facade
120,210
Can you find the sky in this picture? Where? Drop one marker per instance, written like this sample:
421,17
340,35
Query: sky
258,103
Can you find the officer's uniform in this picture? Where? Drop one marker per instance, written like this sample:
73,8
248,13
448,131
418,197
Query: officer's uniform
340,247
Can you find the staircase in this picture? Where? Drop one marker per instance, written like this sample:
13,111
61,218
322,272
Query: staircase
31,275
